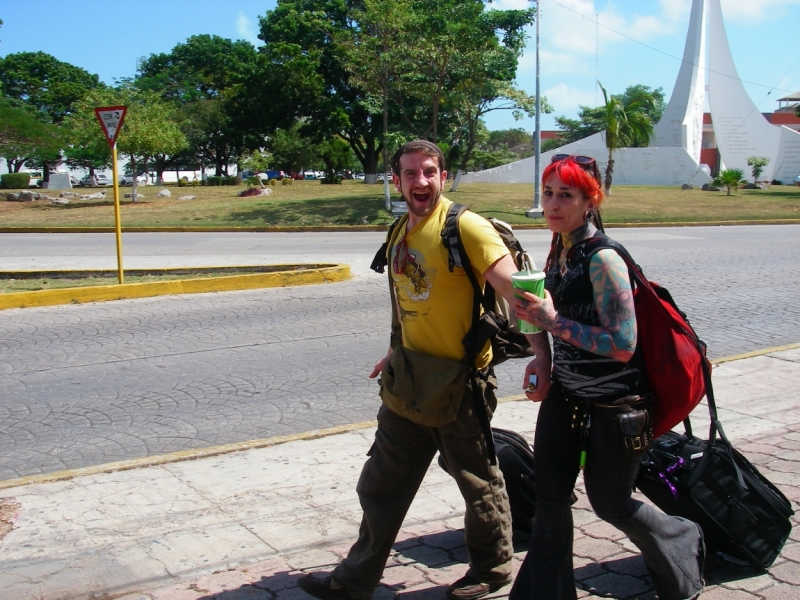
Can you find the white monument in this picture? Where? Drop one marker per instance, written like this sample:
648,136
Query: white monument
673,157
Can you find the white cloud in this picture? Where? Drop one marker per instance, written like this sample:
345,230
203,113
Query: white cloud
246,29
567,100
743,11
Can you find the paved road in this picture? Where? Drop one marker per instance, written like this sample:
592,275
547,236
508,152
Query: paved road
90,384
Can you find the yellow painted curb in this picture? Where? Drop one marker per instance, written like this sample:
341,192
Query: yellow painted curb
101,293
184,455
725,359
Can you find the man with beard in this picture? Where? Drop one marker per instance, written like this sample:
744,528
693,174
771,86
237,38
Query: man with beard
434,306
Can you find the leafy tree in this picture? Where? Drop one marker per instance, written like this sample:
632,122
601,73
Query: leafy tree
757,163
208,79
422,65
463,58
23,136
729,179
551,144
150,127
48,89
291,151
258,161
592,120
306,43
491,87
627,123
336,154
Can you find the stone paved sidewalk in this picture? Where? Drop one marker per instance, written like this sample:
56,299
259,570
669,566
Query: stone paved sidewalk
250,524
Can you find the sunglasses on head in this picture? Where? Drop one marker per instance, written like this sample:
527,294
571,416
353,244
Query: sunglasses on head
581,160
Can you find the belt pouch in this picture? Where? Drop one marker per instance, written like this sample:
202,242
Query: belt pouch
628,420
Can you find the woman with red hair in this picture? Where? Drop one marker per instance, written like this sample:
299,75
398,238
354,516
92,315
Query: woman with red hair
595,416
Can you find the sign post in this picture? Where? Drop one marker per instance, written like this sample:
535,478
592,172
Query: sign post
111,119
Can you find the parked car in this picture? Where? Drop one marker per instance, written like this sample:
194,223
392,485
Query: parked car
276,175
797,180
99,179
309,175
128,179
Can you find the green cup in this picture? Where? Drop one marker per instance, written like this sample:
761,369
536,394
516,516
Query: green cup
533,282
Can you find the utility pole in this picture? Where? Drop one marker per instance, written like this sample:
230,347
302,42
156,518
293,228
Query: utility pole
536,211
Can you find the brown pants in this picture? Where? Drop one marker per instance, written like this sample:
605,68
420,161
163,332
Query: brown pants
397,463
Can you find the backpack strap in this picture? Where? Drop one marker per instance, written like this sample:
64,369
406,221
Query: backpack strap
379,264
457,257
382,255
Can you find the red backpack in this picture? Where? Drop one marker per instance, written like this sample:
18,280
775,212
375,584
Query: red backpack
678,372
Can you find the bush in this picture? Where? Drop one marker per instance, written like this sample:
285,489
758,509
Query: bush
230,181
331,177
214,180
777,182
253,181
287,181
15,181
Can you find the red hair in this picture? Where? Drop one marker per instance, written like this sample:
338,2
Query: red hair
577,176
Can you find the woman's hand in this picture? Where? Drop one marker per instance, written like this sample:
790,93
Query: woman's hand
539,368
539,311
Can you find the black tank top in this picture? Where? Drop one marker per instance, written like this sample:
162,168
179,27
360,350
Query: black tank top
583,375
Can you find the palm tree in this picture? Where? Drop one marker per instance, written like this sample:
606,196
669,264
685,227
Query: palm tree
627,123
729,178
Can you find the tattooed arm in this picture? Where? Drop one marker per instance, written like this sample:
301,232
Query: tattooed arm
616,335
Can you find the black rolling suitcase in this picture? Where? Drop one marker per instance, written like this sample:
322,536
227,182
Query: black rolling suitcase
742,514
515,460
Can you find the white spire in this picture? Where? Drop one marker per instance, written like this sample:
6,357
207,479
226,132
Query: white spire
681,125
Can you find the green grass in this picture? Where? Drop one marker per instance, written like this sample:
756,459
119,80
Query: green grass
310,204
32,285
41,280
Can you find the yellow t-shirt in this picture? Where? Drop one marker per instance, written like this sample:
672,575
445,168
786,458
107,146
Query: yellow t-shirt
435,306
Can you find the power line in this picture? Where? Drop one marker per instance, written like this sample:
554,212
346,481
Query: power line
619,33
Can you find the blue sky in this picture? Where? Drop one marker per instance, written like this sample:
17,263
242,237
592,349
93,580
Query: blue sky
635,41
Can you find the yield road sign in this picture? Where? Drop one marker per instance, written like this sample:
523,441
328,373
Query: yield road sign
111,118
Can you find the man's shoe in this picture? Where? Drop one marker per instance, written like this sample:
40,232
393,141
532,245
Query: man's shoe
323,588
469,588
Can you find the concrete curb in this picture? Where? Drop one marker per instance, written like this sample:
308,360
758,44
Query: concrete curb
185,455
314,275
351,228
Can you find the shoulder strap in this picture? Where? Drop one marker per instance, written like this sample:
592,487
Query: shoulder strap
451,237
382,255
457,257
379,264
